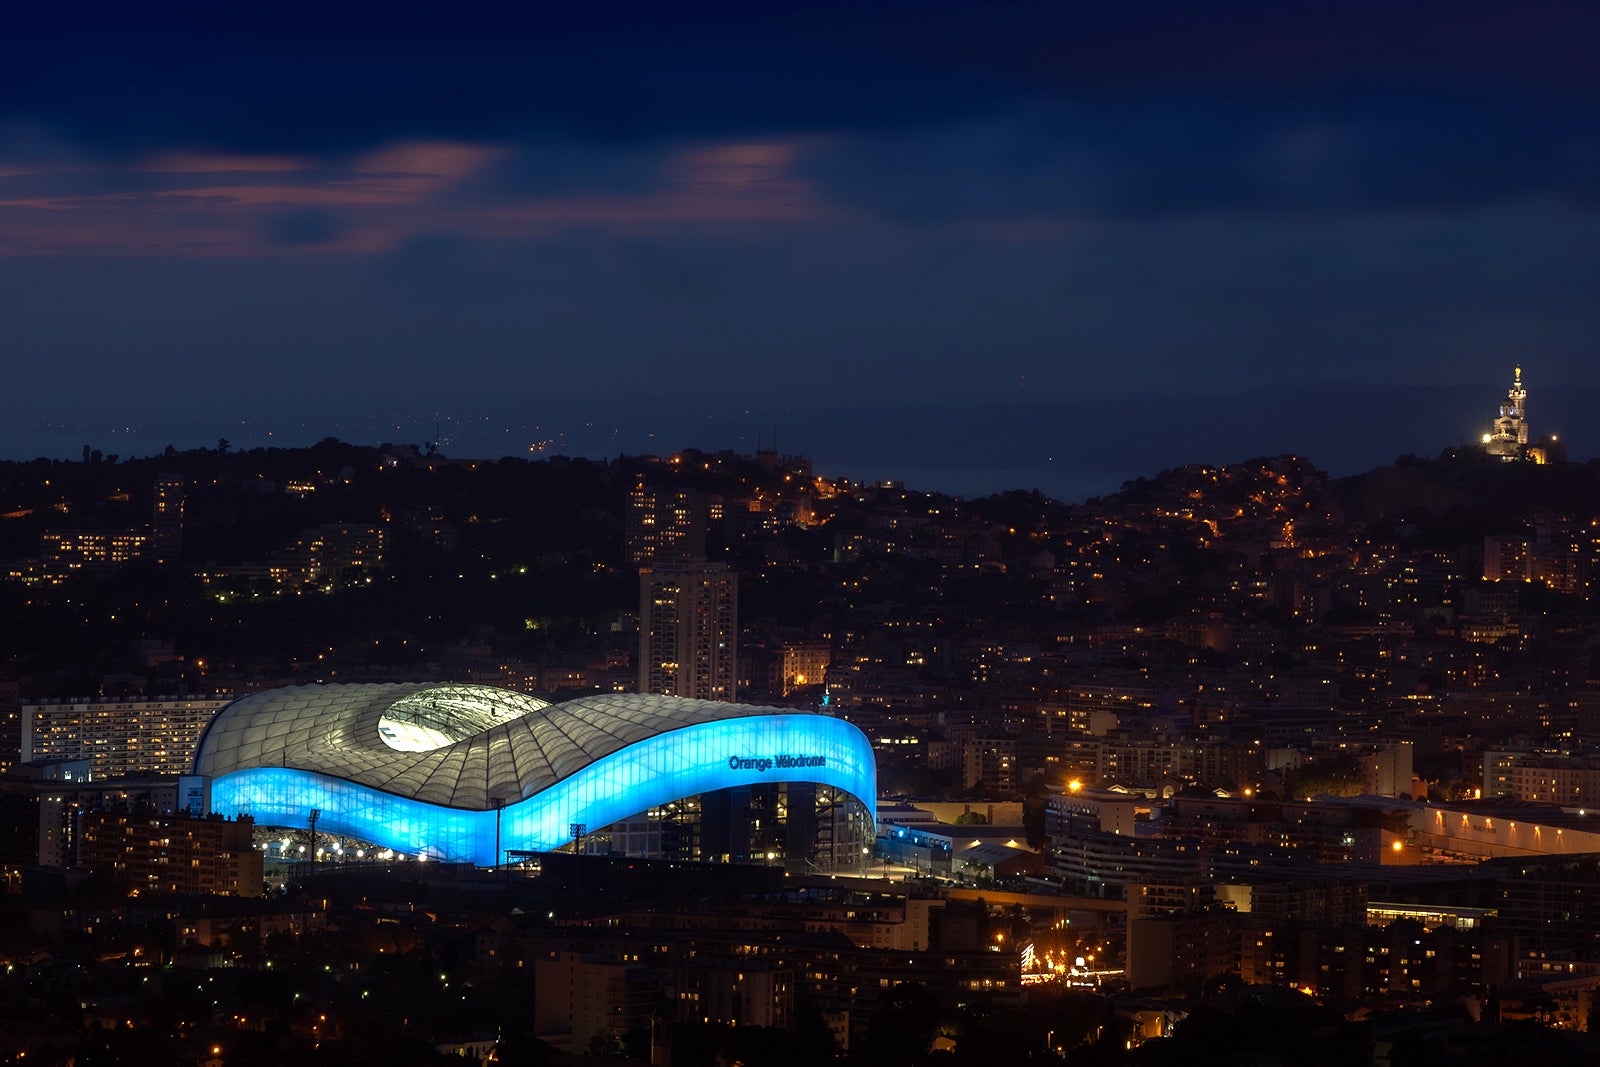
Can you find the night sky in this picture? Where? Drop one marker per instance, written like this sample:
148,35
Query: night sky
986,235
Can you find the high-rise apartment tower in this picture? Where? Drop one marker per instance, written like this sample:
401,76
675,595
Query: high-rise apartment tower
166,517
688,629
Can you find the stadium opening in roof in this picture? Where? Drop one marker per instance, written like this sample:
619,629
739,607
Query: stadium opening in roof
471,773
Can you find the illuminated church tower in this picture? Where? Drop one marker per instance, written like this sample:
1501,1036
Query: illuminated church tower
1509,440
1509,443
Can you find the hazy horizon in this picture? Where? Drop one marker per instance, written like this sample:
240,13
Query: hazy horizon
1068,449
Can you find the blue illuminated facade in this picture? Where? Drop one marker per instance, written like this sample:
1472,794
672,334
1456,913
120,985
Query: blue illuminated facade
430,770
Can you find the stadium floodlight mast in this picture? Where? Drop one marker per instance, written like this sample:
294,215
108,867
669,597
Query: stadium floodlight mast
315,814
499,810
577,830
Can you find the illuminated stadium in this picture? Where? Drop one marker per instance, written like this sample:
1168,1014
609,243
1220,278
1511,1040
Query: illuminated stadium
470,773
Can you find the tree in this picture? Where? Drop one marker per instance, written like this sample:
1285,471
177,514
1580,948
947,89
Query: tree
1034,804
904,1025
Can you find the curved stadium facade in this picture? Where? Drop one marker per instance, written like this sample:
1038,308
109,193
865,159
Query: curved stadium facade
467,773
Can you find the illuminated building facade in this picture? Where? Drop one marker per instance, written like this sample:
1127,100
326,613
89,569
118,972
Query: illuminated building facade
467,773
43,803
1572,782
119,738
802,664
688,630
1506,829
1559,555
330,554
667,523
320,558
64,553
991,761
1357,961
171,853
1505,559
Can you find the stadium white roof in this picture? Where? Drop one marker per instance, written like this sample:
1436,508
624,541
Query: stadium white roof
453,745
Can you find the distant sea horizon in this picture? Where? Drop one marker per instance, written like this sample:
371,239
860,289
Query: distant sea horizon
1066,485
1070,451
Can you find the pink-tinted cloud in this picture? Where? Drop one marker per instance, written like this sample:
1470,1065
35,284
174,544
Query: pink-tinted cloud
215,163
431,165
217,204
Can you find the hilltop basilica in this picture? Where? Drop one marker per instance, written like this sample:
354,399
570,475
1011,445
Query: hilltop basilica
1509,438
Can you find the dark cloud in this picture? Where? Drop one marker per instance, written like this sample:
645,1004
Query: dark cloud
553,167
1146,105
1167,158
299,76
123,181
862,199
929,111
318,78
303,226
